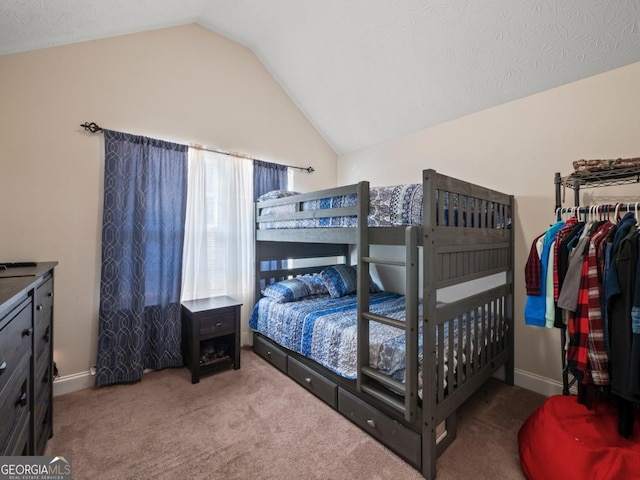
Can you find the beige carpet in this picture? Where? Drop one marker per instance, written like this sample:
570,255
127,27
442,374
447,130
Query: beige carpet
255,423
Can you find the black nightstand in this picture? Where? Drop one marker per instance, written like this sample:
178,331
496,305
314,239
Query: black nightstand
210,335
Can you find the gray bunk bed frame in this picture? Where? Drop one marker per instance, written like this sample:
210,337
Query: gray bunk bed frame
451,255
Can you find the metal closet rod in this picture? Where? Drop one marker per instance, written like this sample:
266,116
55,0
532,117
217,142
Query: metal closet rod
601,209
95,128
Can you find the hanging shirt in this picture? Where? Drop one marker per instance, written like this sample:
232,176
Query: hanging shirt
532,269
535,306
598,358
634,373
620,315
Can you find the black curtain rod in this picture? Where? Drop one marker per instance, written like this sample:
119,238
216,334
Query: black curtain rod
95,128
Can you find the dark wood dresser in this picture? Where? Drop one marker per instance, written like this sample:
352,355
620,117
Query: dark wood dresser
26,359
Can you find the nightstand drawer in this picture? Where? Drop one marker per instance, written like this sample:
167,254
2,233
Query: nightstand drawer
222,320
272,354
397,437
321,387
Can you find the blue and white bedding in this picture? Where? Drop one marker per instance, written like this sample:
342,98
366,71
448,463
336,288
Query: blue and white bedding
388,206
324,329
397,205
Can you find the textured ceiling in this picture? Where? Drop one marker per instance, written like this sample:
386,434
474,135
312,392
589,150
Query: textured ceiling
364,71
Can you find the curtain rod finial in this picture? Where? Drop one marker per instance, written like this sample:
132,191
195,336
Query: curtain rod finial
91,127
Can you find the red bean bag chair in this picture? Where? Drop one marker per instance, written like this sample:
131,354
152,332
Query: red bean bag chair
564,440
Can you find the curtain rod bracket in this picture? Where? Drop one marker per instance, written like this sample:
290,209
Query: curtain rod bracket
91,127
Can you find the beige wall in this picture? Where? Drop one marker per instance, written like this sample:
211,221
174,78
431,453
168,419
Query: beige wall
517,148
182,84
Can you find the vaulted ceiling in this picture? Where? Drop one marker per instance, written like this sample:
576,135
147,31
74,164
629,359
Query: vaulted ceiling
364,71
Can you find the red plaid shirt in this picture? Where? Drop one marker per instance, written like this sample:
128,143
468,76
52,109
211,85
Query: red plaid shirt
598,359
533,270
578,328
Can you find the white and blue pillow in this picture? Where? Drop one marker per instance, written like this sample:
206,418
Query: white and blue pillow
342,280
294,289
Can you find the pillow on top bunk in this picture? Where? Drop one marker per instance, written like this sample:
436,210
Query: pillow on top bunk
273,194
294,289
342,280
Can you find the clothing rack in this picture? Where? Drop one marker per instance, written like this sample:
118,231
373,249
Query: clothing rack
95,128
576,181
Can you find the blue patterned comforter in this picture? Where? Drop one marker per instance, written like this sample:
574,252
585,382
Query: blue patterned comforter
388,206
324,329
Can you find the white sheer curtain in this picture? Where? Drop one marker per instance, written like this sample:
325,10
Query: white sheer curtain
218,244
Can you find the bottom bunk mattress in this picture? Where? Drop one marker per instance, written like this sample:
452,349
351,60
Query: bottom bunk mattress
324,329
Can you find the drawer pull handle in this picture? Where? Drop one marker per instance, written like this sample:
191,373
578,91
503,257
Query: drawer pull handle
22,401
268,353
39,307
45,337
308,380
27,332
218,324
371,422
3,367
50,294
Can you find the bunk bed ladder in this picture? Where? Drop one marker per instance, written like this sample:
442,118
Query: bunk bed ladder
409,389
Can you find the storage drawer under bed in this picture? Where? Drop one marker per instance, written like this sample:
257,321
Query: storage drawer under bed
316,384
272,354
402,440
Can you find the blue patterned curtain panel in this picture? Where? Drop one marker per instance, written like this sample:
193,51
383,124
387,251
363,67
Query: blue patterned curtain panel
268,176
145,187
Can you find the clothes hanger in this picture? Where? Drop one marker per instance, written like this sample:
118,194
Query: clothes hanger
617,213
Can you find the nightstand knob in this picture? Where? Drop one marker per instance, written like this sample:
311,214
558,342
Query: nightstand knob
3,367
39,307
308,380
371,423
218,324
268,353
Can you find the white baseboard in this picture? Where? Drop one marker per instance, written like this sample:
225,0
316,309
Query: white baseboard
536,383
72,383
530,381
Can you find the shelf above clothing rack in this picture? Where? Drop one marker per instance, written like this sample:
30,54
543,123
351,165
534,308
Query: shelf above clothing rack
603,178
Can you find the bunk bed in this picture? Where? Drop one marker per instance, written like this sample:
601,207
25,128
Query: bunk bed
461,233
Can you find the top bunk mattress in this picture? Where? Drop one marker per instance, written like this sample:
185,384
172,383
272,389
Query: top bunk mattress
398,205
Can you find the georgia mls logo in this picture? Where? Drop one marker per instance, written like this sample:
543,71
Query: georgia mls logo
35,468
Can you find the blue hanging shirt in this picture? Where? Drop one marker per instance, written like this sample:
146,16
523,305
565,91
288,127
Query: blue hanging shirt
535,306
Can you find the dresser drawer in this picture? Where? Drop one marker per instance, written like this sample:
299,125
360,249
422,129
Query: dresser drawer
18,443
220,321
44,312
15,340
42,381
42,422
393,434
315,383
272,354
14,401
